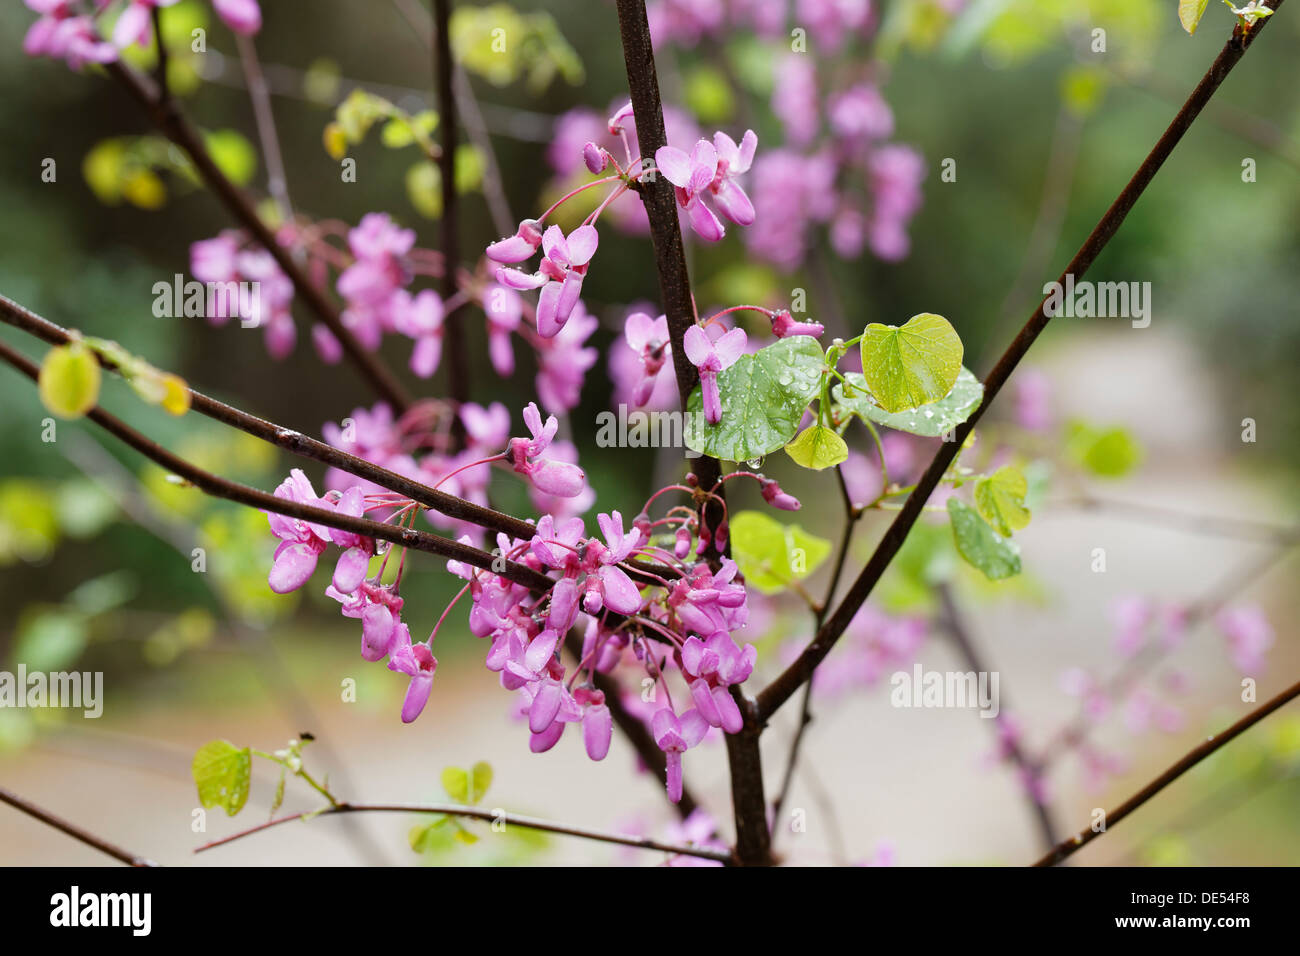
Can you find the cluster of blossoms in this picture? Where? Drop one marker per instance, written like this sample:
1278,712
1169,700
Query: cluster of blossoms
708,172
365,596
65,33
836,161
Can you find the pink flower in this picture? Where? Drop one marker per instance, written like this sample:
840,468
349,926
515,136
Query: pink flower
597,722
784,325
133,26
1249,635
242,16
487,429
301,542
358,549
563,361
709,170
380,268
711,358
60,34
560,276
503,309
420,317
774,496
519,247
608,585
675,736
417,661
550,476
649,339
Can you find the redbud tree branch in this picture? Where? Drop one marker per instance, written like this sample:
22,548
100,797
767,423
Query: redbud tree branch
453,326
218,487
72,830
1190,760
172,123
753,839
801,669
491,816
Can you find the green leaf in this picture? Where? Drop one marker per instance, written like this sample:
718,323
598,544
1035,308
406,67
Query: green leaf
469,168
817,448
69,380
980,545
424,189
1106,452
467,786
51,639
930,421
911,366
771,555
1000,498
222,773
1190,13
233,154
764,396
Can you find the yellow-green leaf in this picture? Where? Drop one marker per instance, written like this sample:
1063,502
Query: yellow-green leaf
911,366
69,380
770,554
1000,498
222,773
1190,13
817,447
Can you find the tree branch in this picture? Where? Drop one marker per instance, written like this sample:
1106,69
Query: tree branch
781,689
219,487
1192,758
72,830
166,115
491,816
1031,769
753,838
453,327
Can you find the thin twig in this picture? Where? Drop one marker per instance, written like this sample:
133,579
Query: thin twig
72,830
1031,770
801,669
277,183
219,487
1190,760
491,816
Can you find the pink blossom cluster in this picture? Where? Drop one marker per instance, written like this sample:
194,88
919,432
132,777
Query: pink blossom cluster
64,32
829,23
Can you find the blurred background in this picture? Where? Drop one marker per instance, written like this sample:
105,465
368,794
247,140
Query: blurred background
1134,435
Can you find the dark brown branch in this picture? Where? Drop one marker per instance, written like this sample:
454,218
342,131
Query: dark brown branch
166,115
753,839
781,689
1032,771
491,816
1190,760
453,326
72,830
297,443
219,487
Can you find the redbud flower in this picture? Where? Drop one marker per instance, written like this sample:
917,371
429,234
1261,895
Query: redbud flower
421,318
784,325
649,339
623,113
597,723
553,477
693,175
301,542
520,246
503,309
242,16
60,34
355,560
777,498
711,358
417,661
133,26
675,736
595,157
563,268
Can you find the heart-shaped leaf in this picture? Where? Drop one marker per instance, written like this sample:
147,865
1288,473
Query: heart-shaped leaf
817,448
980,545
764,396
930,421
1000,498
913,365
